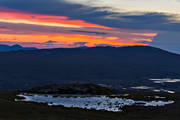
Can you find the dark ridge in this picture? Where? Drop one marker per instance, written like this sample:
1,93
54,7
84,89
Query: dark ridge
16,47
74,88
120,67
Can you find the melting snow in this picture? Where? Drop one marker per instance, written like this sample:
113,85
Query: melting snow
163,90
159,97
142,87
165,80
89,102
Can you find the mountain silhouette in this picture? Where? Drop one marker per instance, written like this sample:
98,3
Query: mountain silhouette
121,67
16,47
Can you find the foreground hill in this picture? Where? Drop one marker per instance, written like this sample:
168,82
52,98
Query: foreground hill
122,67
83,89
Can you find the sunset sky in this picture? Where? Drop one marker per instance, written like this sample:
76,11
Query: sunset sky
77,23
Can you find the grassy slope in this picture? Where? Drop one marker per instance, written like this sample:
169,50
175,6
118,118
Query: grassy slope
10,110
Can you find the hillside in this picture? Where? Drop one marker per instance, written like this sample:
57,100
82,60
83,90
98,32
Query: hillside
83,89
122,67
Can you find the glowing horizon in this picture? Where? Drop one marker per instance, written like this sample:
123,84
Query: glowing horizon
28,29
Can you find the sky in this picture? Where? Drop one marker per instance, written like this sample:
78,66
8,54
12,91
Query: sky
79,23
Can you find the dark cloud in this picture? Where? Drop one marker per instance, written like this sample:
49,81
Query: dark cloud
79,44
34,44
50,42
150,21
168,41
2,27
103,45
91,32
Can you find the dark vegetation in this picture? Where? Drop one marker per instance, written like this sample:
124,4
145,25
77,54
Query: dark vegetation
75,88
118,67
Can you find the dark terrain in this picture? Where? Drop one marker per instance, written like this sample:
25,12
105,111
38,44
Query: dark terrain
65,69
10,110
122,67
83,89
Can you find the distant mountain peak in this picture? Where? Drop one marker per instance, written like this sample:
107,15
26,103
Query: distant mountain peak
15,47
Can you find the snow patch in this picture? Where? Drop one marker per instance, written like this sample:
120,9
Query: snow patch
165,80
142,87
159,97
89,102
163,90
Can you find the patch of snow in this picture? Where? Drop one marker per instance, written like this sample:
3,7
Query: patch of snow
89,102
125,95
159,97
120,95
165,80
104,85
163,90
142,87
168,91
156,90
124,88
156,97
155,103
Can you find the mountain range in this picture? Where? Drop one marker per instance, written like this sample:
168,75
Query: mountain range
119,67
16,47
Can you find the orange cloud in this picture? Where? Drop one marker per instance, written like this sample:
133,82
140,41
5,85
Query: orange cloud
63,40
36,29
45,20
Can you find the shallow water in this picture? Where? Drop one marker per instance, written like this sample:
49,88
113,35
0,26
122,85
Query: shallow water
89,102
